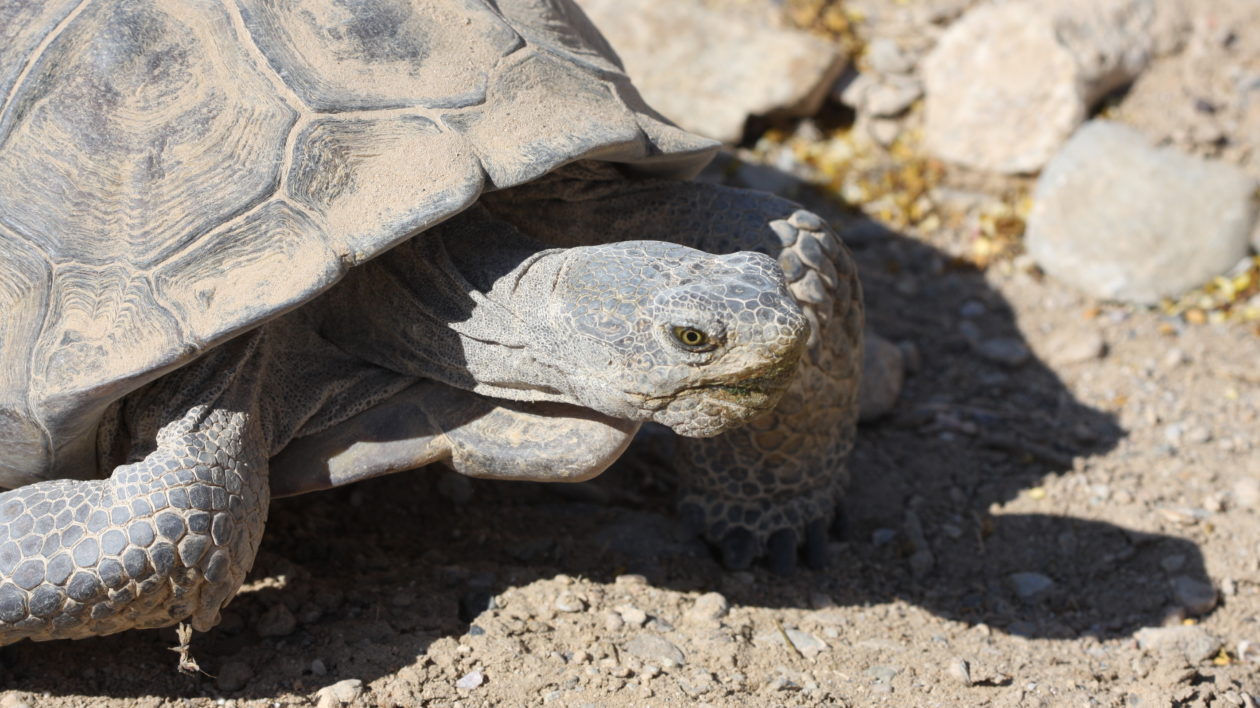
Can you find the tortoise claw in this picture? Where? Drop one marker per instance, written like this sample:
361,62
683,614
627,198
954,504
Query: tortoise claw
816,544
781,549
739,547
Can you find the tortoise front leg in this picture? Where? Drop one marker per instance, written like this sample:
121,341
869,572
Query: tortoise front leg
166,538
776,482
476,435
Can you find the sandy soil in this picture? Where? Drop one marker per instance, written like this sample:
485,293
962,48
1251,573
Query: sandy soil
1013,530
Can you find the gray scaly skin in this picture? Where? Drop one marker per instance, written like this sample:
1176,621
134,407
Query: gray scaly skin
778,481
168,536
632,332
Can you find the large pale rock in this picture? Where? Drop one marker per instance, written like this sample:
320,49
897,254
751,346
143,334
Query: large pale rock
1123,220
709,70
1009,82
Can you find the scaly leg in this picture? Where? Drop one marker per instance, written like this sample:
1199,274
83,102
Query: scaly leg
477,436
167,537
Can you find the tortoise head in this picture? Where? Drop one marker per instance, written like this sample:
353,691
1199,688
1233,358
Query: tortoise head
647,330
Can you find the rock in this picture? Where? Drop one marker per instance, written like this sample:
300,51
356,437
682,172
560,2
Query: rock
318,668
804,642
340,693
632,615
709,70
972,309
1009,82
882,537
882,130
655,649
1171,222
1247,493
1248,651
1029,585
959,670
1193,643
1173,563
233,676
1007,351
921,563
885,57
697,683
1196,596
277,621
881,96
891,96
883,373
568,601
709,607
1067,347
470,680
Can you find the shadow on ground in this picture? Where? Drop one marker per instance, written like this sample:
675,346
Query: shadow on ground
365,578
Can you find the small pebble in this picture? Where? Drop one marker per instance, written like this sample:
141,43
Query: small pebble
806,643
632,615
709,607
1190,642
1006,351
318,668
470,680
569,602
1174,358
1247,492
1029,585
1193,594
886,57
972,309
345,690
1075,347
1249,651
651,647
882,537
959,670
613,621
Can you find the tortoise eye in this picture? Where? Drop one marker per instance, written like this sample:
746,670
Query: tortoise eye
691,337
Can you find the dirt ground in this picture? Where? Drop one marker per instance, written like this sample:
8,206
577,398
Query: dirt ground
1077,529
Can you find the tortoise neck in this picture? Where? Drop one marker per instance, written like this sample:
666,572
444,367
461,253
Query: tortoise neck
463,303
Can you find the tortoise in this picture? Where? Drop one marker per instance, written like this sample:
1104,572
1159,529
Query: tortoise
253,249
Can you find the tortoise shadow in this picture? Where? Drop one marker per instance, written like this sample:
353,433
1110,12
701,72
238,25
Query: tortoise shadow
357,582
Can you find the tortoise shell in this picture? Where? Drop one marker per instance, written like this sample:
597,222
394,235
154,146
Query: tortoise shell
173,174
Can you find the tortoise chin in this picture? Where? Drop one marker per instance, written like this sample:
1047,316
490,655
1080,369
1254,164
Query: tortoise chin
712,410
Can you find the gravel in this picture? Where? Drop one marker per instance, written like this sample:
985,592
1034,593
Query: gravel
656,649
